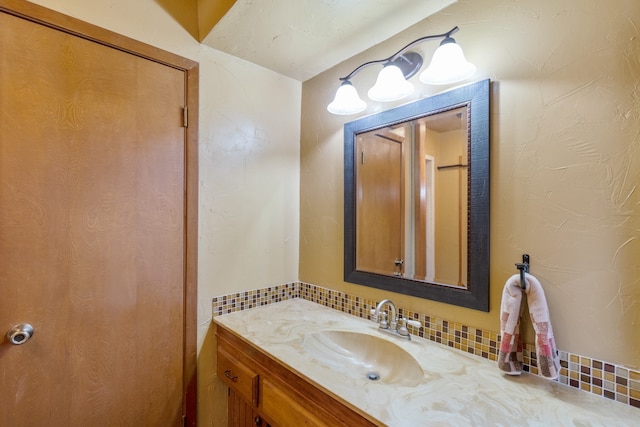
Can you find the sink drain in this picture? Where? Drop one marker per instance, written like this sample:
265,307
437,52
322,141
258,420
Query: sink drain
373,376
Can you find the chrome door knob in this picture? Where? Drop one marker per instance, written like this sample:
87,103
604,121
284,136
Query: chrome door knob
20,334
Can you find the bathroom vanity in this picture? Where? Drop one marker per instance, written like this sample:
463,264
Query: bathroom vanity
264,391
298,363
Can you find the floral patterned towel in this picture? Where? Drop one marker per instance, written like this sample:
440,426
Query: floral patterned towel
510,355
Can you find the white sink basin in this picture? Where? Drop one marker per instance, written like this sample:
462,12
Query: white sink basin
364,356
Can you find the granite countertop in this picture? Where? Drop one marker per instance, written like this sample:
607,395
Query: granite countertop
457,389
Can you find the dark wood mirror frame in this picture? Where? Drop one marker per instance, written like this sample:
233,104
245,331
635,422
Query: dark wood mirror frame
476,294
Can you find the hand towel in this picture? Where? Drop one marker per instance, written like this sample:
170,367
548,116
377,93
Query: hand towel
510,355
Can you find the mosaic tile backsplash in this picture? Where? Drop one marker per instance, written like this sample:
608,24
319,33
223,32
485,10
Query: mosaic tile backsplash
590,375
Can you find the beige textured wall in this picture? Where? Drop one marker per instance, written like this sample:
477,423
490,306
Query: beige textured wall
249,165
565,163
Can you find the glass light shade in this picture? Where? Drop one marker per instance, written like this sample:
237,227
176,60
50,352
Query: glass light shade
390,85
346,101
448,65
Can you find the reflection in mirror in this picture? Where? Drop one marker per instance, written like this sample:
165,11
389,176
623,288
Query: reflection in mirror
416,198
411,206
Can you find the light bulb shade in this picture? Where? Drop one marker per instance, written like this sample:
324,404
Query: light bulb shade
448,65
346,100
390,85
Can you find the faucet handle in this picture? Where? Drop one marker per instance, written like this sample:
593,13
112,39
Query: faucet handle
414,323
381,318
402,328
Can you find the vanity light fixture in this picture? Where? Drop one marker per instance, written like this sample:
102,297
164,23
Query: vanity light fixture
448,65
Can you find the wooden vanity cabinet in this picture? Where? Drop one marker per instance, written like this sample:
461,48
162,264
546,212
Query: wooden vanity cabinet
266,393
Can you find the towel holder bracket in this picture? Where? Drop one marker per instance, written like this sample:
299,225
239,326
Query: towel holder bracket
524,268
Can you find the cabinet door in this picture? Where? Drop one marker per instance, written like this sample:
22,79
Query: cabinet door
242,414
284,409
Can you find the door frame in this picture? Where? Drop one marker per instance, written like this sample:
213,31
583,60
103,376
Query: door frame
47,17
429,217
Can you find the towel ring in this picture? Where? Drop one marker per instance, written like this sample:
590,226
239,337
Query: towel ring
524,268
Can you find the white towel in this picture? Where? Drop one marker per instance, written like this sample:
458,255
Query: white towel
510,355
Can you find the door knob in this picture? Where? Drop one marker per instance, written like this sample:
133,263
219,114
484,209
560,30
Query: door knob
20,334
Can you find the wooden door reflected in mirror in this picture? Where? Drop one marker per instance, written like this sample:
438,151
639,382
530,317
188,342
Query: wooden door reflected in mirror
380,204
411,207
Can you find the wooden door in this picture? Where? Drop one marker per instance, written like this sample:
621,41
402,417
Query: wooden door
92,232
379,204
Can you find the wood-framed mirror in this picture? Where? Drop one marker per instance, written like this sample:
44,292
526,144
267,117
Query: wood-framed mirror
417,198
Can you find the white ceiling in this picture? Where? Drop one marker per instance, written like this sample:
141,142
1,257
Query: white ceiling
302,38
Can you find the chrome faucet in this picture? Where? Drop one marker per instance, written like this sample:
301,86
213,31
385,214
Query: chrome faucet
393,324
384,323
